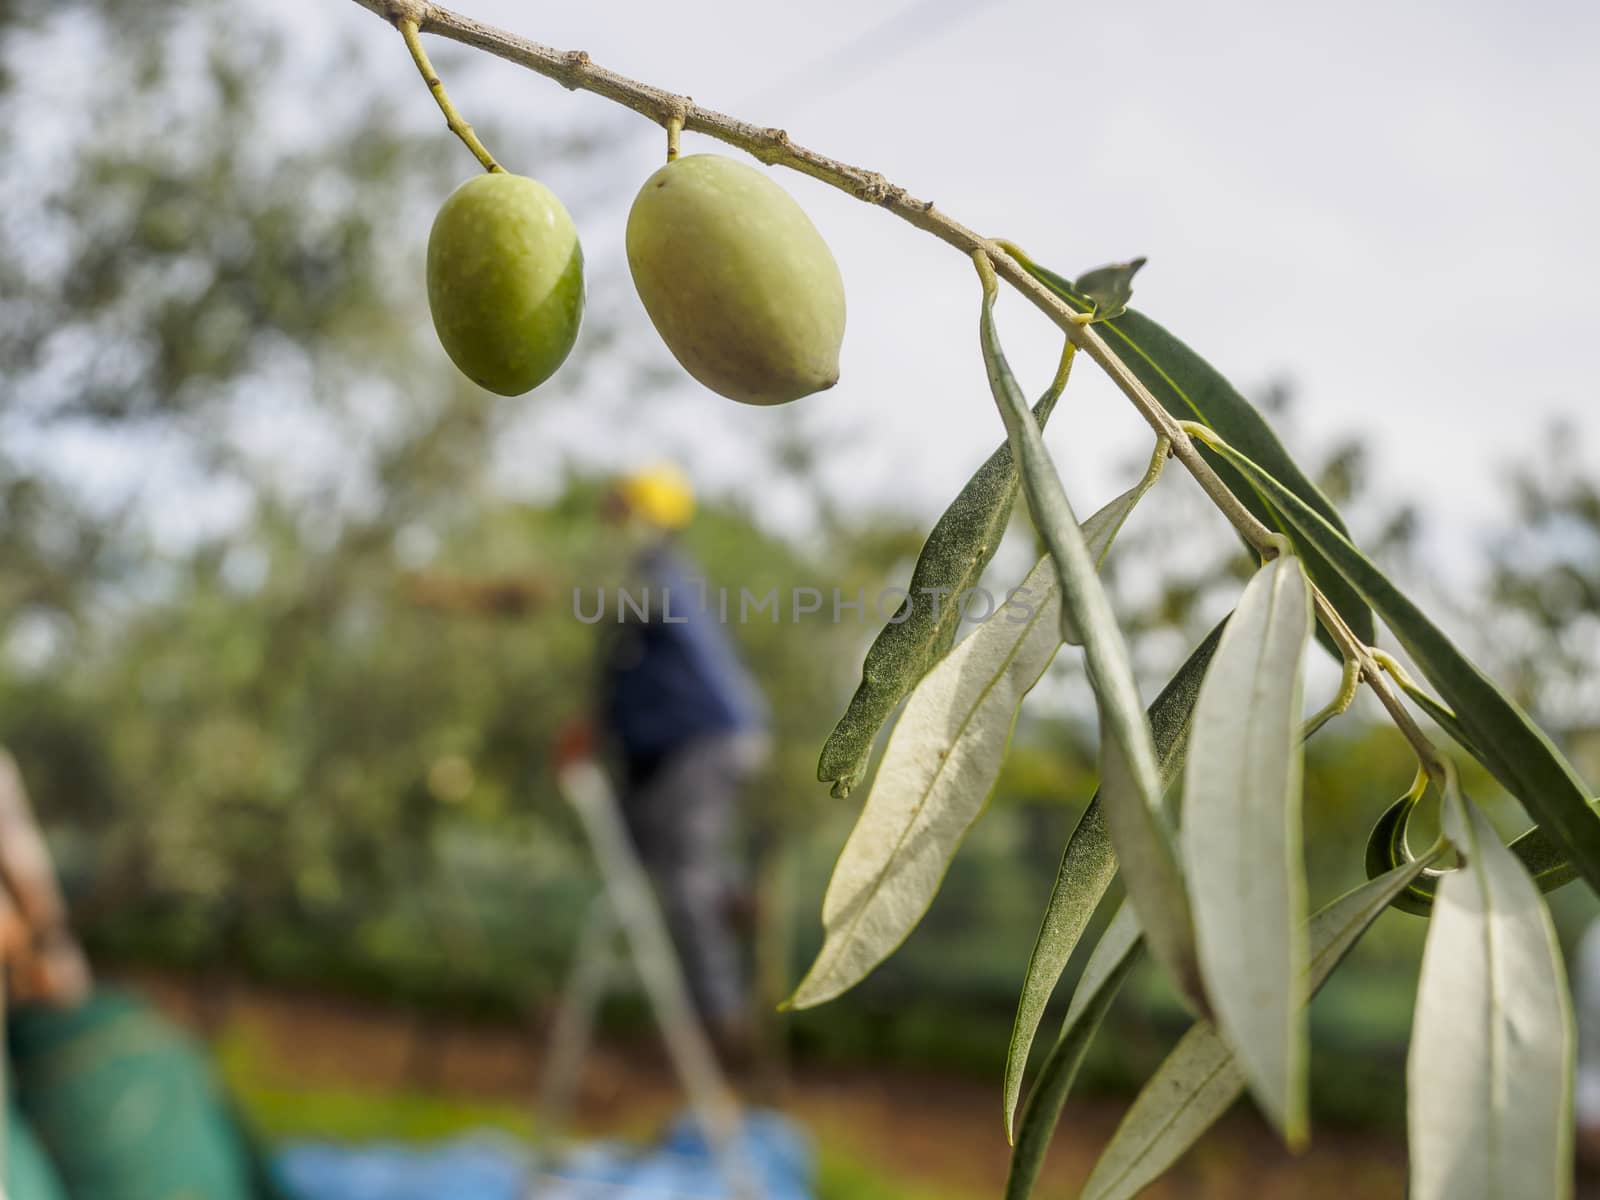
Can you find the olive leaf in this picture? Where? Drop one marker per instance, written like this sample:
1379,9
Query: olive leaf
1540,857
1115,955
1200,1079
1514,750
1386,849
1489,1075
1193,390
937,772
1130,779
1539,853
923,628
1241,838
1087,866
1441,716
1109,288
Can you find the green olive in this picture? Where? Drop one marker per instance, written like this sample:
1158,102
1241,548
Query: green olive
736,278
505,281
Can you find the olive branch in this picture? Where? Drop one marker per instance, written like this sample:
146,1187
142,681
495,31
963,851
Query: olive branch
576,71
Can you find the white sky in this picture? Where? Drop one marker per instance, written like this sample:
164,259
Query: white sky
1392,204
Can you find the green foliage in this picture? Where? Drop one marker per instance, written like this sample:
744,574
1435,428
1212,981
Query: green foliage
959,548
1108,289
1200,1079
1519,754
1191,389
1088,865
1114,957
1243,888
1129,772
938,771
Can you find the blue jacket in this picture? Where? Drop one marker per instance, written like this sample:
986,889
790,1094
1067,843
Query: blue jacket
666,683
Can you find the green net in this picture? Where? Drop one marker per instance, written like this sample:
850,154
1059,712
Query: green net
29,1175
125,1105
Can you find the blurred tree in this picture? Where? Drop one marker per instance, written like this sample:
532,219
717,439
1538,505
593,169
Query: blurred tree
1546,585
227,451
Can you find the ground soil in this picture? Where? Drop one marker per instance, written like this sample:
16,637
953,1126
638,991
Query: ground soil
934,1132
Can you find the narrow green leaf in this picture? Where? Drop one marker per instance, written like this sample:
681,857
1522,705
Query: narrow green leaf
1442,717
936,776
1087,867
1513,748
1191,389
1540,857
1130,779
1386,850
1489,1076
1113,958
959,547
1200,1079
1241,838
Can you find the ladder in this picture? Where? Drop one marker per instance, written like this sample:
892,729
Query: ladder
627,906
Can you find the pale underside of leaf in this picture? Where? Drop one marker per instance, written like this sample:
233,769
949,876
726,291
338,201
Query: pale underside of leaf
1241,838
1200,1079
1489,1075
923,802
937,772
1130,776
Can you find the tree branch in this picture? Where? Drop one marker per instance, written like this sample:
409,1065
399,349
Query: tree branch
574,70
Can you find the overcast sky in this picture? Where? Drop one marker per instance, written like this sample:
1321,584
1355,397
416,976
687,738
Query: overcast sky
1392,205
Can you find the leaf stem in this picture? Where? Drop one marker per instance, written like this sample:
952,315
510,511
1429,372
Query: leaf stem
1349,685
1064,367
1394,667
458,125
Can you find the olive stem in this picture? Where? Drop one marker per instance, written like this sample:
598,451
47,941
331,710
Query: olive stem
674,129
1349,685
458,125
575,70
1058,384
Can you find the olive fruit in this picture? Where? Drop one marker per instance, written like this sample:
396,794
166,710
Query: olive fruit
505,281
736,278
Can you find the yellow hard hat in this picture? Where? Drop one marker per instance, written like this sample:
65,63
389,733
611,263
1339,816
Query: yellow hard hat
659,494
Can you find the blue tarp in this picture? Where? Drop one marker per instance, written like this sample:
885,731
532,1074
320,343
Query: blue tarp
771,1151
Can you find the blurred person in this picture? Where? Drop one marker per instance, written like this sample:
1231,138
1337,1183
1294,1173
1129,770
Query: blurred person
681,719
43,962
106,1099
688,728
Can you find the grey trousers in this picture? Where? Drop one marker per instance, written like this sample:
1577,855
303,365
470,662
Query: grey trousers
682,821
